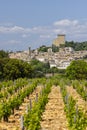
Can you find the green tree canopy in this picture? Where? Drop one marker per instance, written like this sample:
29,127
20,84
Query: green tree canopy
3,61
77,46
43,48
15,68
3,54
77,70
39,68
55,48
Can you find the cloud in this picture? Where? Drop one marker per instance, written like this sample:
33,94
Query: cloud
62,26
19,29
13,29
41,29
66,22
73,29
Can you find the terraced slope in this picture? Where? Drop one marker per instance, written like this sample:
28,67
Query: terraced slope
54,117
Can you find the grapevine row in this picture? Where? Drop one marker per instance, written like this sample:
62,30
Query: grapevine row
76,118
33,117
80,88
7,106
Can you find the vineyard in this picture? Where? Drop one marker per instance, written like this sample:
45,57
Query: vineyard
43,104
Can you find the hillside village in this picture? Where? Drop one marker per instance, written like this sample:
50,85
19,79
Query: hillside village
60,59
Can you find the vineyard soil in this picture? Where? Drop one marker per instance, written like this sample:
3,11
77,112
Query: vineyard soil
54,117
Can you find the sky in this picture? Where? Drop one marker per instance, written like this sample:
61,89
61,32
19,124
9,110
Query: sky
33,23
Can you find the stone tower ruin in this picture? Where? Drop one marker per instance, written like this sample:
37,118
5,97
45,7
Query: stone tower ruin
59,40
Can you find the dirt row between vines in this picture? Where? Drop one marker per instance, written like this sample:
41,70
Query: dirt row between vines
54,117
14,120
82,104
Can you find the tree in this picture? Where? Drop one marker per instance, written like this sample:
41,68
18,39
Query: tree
3,54
55,48
53,70
3,62
77,46
15,68
43,48
39,68
11,70
77,70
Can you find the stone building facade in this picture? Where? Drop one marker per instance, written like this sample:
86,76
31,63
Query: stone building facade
59,40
